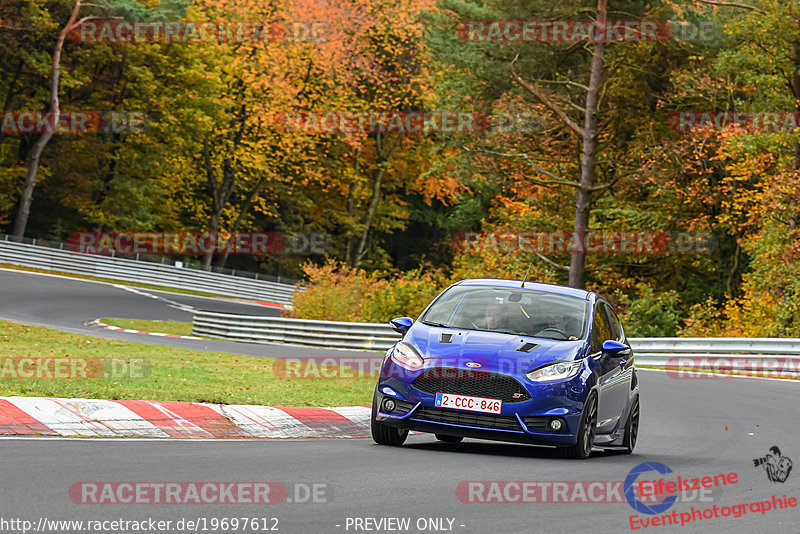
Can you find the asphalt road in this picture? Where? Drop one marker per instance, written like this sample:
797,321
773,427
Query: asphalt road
67,303
696,427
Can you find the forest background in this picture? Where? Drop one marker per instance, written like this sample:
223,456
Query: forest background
574,135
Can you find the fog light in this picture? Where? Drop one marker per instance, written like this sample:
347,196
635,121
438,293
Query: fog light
556,425
389,405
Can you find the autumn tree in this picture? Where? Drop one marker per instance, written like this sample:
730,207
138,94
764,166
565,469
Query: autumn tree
580,150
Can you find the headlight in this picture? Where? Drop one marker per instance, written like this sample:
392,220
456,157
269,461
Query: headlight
556,371
405,356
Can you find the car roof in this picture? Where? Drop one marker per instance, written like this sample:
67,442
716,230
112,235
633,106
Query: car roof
536,286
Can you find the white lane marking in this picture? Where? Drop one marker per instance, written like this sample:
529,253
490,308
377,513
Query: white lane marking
265,421
168,302
99,324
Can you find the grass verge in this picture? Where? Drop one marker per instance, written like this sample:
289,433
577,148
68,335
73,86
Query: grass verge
152,372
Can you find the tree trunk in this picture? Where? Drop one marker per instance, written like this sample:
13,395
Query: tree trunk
795,84
36,153
377,174
213,228
245,208
369,216
583,200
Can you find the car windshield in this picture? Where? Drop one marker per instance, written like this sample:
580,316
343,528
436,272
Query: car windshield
509,310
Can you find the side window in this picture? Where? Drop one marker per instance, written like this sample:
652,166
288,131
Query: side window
601,329
616,326
442,310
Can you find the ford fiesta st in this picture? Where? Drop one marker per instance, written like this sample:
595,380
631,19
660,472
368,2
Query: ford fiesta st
511,361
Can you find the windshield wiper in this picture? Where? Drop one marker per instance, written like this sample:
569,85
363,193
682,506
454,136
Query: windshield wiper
509,332
432,323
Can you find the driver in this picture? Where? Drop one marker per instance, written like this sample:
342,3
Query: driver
560,321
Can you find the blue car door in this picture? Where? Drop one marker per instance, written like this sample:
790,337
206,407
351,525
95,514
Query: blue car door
614,383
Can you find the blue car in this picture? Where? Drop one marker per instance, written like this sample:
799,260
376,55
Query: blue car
512,361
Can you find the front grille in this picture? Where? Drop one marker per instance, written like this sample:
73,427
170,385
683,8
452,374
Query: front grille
484,420
472,383
401,407
536,423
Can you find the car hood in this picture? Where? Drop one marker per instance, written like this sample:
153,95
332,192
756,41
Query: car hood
492,351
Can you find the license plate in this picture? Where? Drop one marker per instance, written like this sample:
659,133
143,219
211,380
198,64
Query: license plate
470,404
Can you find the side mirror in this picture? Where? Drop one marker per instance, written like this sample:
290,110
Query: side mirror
401,325
613,349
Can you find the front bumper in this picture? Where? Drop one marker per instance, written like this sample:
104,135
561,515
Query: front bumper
521,422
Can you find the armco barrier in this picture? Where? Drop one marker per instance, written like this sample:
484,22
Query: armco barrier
126,270
720,353
655,352
259,329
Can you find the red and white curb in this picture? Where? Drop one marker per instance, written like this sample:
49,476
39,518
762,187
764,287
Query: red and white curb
97,323
273,305
31,416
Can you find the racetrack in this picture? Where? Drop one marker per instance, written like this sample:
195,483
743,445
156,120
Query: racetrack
683,426
697,427
67,303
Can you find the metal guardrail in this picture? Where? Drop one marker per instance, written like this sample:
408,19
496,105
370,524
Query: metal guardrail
722,354
29,255
259,329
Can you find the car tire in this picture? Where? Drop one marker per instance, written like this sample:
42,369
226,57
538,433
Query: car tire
384,434
631,428
583,448
449,439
